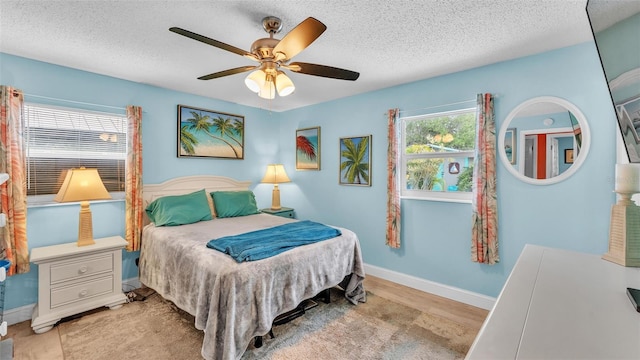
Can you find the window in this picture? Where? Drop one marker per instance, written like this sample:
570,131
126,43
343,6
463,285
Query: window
437,152
58,139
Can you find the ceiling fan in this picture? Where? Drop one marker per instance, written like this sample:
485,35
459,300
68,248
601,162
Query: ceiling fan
273,55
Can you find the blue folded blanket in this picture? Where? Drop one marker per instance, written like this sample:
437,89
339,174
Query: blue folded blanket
261,244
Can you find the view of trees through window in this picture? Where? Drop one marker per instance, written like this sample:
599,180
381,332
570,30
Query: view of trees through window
439,150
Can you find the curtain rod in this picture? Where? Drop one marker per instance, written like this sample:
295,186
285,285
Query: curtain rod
435,106
76,102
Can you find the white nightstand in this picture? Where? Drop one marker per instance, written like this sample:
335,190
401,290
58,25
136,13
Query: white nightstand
283,212
73,279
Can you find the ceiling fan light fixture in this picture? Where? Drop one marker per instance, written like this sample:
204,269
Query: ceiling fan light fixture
284,84
268,89
273,54
255,81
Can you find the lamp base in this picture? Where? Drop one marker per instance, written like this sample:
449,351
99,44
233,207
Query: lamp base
85,225
624,235
275,198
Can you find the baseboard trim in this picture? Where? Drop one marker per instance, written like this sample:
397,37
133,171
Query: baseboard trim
19,314
130,284
449,292
23,313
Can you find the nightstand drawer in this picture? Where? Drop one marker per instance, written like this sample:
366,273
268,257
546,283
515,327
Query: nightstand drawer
80,268
68,294
73,279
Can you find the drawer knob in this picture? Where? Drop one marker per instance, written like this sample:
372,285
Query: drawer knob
83,270
83,293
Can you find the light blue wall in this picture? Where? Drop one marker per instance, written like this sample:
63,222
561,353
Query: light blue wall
436,242
620,52
536,122
58,224
573,214
619,46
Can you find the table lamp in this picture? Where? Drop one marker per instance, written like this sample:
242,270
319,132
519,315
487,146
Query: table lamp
624,231
275,175
83,185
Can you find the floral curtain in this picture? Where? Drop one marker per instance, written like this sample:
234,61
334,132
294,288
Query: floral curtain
13,192
484,236
133,184
393,189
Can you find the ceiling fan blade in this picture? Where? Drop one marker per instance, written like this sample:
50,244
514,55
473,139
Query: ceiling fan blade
323,70
299,38
228,72
212,42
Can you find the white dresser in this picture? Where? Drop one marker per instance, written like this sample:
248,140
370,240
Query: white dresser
559,304
74,279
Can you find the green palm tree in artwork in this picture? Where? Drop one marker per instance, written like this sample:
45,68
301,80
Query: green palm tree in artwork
201,122
238,128
227,127
188,141
356,163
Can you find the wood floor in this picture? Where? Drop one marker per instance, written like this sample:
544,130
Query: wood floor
29,346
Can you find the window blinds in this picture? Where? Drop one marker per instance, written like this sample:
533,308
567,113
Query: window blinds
58,139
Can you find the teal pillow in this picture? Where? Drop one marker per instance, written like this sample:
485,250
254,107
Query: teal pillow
177,210
234,203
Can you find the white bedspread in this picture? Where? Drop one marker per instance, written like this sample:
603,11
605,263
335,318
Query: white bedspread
234,302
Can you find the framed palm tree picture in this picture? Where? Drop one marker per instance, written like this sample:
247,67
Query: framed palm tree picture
209,134
355,160
308,149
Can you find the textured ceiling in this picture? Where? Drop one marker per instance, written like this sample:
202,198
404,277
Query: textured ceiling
389,42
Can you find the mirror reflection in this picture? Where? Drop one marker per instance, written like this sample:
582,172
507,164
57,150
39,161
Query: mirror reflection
616,30
543,139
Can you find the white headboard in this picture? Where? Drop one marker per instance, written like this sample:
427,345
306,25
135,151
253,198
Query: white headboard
188,184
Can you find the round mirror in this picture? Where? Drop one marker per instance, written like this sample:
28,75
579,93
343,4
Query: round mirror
544,140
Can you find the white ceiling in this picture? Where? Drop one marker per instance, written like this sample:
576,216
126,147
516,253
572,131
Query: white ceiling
389,42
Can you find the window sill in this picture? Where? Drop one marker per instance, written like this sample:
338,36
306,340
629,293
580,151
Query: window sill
452,197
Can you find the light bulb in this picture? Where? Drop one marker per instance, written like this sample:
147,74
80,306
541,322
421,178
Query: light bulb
268,89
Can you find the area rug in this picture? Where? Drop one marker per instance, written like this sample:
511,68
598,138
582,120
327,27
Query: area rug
379,329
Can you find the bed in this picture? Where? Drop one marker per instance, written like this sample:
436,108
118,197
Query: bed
234,302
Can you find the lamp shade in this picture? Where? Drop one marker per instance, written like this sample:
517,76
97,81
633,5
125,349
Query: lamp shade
82,185
275,174
284,84
255,80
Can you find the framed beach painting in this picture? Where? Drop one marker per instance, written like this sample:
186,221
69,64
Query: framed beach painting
355,160
209,134
308,149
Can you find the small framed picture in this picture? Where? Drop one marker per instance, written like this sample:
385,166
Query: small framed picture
355,160
209,134
568,156
308,149
510,144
